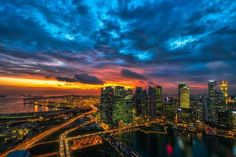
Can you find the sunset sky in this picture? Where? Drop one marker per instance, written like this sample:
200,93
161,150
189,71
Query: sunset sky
78,46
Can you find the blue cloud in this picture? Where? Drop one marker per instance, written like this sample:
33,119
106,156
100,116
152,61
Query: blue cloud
141,34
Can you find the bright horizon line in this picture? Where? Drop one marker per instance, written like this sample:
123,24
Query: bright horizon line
55,84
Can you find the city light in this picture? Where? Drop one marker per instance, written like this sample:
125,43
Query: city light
117,78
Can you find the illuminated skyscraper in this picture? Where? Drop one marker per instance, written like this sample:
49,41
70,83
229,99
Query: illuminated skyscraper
119,93
211,111
116,105
160,108
184,111
170,108
138,100
128,110
122,106
224,88
152,105
212,88
107,104
234,119
144,103
184,98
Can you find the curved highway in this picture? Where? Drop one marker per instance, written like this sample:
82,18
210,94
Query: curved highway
40,136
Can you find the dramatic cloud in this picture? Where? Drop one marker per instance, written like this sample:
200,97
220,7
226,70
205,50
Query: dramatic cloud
130,74
65,79
88,79
166,41
82,78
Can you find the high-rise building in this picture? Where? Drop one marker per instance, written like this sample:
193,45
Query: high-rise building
152,105
144,103
107,104
184,111
211,107
138,100
170,108
184,98
205,107
122,106
217,101
212,89
197,109
119,92
224,89
234,119
224,119
160,107
116,105
128,110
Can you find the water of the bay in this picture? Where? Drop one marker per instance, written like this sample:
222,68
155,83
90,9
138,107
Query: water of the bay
15,104
179,145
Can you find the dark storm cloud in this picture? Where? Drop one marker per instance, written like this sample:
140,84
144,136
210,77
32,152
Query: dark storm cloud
196,37
82,78
17,63
65,79
88,79
130,74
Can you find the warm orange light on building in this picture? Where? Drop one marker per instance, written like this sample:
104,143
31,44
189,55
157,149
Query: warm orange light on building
224,88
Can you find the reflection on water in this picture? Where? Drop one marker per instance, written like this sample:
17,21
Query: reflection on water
102,150
15,104
156,145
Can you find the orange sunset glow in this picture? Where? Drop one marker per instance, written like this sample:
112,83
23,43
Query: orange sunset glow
44,83
105,78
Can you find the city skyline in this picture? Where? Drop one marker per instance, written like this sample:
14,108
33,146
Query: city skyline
118,78
80,46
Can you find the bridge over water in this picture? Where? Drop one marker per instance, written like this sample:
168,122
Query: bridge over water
123,149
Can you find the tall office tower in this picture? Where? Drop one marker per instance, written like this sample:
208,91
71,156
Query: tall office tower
223,111
122,106
152,105
180,85
220,100
233,119
184,112
211,108
127,111
224,89
212,89
119,93
128,92
184,98
107,104
170,108
138,101
224,119
197,109
205,108
160,106
144,103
